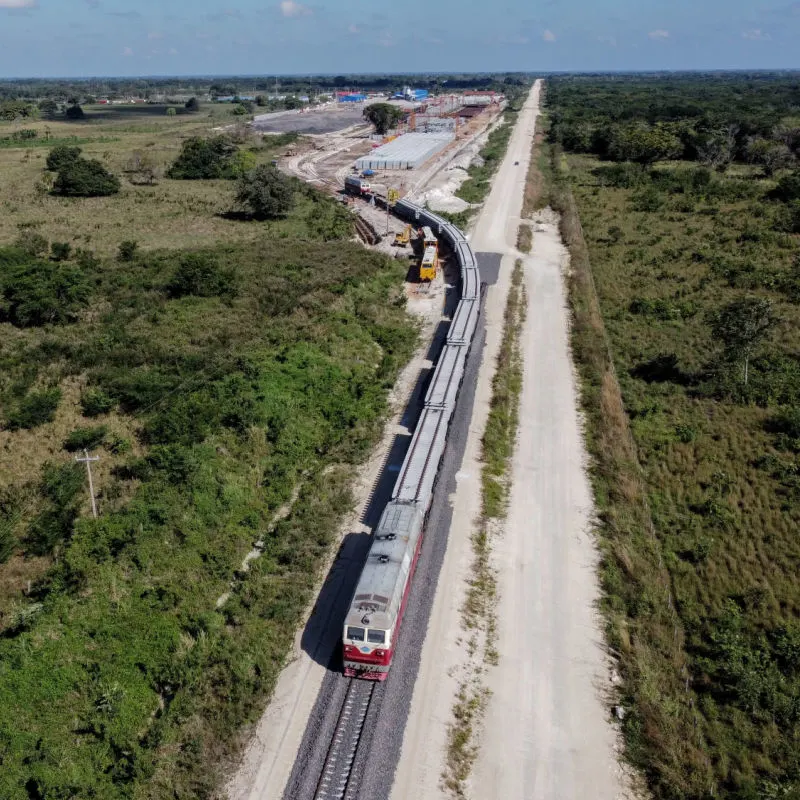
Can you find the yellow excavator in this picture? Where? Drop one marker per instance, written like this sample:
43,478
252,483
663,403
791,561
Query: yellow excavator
403,238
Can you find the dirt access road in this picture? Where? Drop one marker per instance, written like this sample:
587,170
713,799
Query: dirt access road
546,733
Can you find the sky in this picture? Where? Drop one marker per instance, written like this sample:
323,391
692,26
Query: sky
74,38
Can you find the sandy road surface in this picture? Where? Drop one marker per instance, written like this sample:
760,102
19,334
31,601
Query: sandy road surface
546,731
545,734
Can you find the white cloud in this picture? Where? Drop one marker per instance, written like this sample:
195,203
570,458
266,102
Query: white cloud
756,35
127,51
549,36
172,51
659,34
291,9
515,39
18,3
354,28
609,40
155,35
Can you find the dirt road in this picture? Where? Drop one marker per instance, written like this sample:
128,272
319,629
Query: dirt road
545,733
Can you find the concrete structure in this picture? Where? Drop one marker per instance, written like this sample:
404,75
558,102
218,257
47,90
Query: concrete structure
406,152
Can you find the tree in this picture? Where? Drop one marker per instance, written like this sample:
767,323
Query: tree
142,166
716,149
293,102
74,113
741,326
644,144
265,192
85,178
770,155
383,116
204,159
192,105
200,275
48,106
171,112
59,157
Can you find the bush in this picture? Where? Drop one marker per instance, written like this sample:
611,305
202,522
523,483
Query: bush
200,275
34,292
85,178
61,156
192,105
95,402
60,486
32,243
266,193
36,408
74,113
60,251
786,424
203,159
127,250
85,438
788,188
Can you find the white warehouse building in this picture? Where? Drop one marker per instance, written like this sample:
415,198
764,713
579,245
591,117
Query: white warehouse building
406,152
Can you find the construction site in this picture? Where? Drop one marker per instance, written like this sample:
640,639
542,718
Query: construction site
426,156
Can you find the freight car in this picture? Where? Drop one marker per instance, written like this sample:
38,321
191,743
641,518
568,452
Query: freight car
372,624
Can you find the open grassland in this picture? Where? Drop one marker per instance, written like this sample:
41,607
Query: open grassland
229,374
166,214
696,469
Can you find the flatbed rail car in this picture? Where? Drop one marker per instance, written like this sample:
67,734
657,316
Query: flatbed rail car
372,625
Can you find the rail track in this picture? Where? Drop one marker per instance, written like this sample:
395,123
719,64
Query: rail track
334,783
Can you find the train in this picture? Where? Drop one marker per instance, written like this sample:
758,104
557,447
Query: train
357,186
372,624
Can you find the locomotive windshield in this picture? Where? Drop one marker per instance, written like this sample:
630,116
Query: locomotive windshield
376,637
356,634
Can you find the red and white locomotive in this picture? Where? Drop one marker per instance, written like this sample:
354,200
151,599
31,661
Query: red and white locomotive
372,625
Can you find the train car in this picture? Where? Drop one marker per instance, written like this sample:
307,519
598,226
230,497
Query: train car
357,186
372,625
373,621
428,239
429,264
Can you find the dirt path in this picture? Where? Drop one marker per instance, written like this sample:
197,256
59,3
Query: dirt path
545,733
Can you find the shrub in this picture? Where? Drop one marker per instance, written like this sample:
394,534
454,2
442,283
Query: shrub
60,251
61,156
204,159
60,486
127,250
192,104
37,292
85,438
32,243
199,274
266,193
36,408
95,402
74,113
786,424
85,178
788,188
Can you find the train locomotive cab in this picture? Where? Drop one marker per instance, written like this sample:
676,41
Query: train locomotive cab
367,652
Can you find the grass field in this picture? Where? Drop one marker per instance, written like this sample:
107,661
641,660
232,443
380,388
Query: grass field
169,214
699,510
229,374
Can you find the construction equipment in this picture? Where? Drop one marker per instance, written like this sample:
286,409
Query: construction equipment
403,238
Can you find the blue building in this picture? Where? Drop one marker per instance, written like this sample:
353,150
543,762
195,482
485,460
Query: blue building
351,98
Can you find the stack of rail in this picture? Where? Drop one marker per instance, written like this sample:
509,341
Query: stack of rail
372,625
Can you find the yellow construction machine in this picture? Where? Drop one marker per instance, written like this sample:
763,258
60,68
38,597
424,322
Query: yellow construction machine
404,237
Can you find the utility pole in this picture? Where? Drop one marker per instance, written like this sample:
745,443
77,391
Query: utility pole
87,459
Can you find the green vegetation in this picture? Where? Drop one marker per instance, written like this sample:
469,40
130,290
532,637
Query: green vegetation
383,116
85,178
687,338
203,159
225,380
266,193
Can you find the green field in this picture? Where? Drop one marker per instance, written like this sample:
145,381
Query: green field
229,374
699,518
